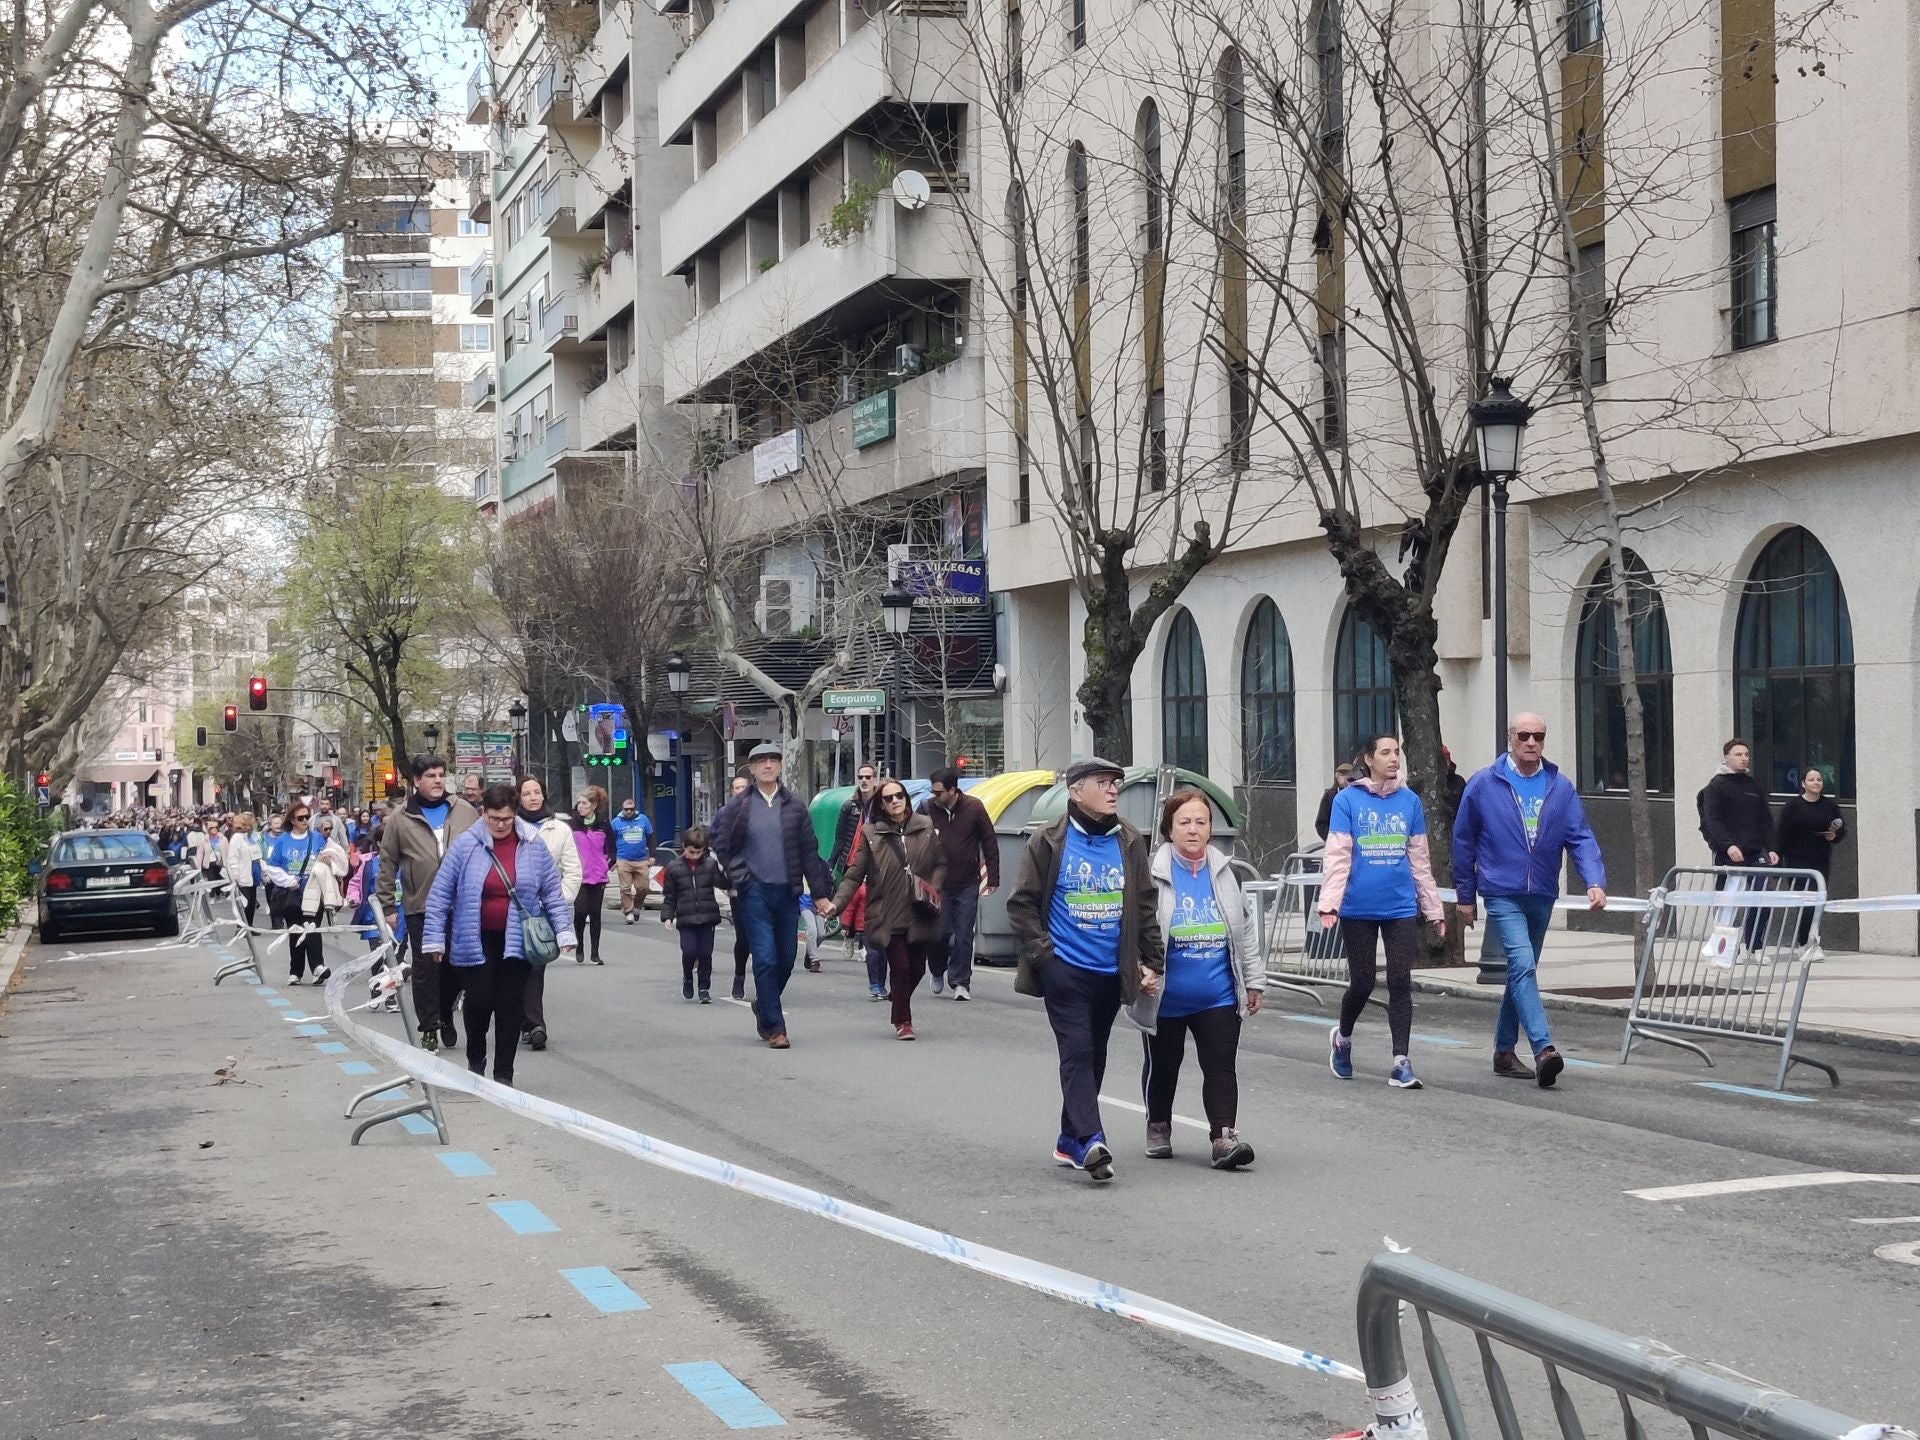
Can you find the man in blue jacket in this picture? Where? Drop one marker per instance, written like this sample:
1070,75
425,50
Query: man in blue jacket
765,840
632,858
1516,819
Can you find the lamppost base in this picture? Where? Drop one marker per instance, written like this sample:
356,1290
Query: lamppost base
1493,959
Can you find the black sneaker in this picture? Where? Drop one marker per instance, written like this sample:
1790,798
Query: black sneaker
322,975
705,998
430,1041
739,989
448,1037
598,961
537,1038
686,989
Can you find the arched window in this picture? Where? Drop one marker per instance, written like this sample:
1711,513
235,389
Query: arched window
1793,666
1362,686
1600,719
1266,698
1183,696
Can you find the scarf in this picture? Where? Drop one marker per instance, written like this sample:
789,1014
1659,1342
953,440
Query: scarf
1093,825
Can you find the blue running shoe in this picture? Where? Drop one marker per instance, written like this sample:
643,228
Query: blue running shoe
1402,1077
1069,1151
1339,1057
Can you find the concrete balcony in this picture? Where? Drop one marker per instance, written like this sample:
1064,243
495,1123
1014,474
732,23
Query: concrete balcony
560,331
602,56
916,58
486,492
716,55
611,292
553,98
478,282
479,95
534,463
480,389
938,424
558,220
810,284
608,412
480,194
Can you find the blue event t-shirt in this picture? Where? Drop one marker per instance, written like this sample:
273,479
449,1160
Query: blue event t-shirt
1532,790
1084,918
1380,884
632,838
1197,974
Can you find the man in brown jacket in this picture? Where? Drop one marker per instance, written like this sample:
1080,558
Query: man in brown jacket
411,844
1083,914
973,870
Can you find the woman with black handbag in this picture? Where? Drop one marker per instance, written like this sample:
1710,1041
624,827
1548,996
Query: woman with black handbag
288,866
903,866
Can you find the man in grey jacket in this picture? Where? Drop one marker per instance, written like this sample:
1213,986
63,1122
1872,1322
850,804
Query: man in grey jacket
1083,915
411,846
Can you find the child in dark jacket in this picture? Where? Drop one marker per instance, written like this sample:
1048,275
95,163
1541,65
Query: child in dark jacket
688,901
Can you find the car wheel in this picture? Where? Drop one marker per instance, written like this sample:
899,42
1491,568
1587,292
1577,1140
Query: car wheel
169,926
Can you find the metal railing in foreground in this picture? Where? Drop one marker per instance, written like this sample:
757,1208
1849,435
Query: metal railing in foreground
1707,1399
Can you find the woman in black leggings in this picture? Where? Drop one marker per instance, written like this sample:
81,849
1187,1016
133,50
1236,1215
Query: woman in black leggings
1214,976
1377,880
593,838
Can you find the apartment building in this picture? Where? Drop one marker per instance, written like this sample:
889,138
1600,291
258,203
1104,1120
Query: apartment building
582,307
823,238
407,341
1751,316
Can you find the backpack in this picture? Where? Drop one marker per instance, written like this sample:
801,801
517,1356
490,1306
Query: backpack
1700,804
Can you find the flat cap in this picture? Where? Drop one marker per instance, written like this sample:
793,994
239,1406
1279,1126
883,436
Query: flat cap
1093,765
766,749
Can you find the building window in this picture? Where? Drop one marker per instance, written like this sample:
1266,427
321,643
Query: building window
1183,696
1016,48
1333,387
476,337
1157,440
1082,225
1793,667
402,218
1153,180
1330,64
1600,715
1590,316
1077,23
1089,448
1584,25
470,226
1363,704
1239,417
1233,116
1756,279
1266,699
1023,488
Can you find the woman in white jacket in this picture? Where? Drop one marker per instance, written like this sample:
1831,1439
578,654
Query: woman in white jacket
1215,976
557,835
240,858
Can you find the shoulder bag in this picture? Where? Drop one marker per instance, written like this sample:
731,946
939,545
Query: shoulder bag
926,897
538,944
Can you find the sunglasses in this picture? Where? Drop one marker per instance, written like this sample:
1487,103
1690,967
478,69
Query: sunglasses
892,796
1530,735
301,816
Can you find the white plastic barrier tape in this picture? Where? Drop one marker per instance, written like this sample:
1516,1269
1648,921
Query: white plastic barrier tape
1732,899
1873,904
1033,1274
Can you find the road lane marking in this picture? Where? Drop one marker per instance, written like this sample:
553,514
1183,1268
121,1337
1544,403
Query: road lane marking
522,1217
1892,1220
280,1004
331,1047
1755,1183
737,1406
394,1095
604,1290
464,1163
355,1067
417,1125
1901,1252
1755,1092
1141,1110
309,1032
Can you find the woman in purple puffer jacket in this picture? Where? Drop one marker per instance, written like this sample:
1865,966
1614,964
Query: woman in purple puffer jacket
594,838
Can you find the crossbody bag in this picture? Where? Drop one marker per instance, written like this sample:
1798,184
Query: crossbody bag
926,897
538,944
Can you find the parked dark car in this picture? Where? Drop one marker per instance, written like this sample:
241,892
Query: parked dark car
113,879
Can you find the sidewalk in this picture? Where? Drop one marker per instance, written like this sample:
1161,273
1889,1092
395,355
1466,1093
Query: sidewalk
1851,997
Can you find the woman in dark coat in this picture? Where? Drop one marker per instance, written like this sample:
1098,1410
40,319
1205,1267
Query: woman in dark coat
1805,832
897,848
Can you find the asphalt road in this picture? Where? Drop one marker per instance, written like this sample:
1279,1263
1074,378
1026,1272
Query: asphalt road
280,1282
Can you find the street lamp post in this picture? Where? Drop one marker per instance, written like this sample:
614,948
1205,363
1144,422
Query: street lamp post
430,732
1499,426
679,675
897,606
517,718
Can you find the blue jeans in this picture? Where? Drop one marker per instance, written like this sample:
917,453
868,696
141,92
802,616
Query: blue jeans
951,957
1520,924
770,915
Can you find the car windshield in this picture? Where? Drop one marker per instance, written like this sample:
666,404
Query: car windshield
97,849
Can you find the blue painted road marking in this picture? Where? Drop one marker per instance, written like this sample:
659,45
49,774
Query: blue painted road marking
331,1047
1589,1064
393,1096
1445,1041
310,1031
355,1067
264,990
417,1125
1306,1019
281,1004
523,1217
1757,1093
605,1291
463,1163
737,1406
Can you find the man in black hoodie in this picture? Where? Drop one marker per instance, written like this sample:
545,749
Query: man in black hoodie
1737,819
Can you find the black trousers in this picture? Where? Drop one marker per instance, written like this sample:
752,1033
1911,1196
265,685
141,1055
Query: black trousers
1402,939
742,953
436,984
1081,1007
533,1010
906,968
589,907
696,954
304,952
249,902
1216,1040
495,993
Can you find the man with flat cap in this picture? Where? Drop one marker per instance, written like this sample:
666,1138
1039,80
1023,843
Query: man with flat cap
1083,914
765,840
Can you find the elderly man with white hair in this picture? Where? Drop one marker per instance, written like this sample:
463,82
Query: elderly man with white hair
1517,818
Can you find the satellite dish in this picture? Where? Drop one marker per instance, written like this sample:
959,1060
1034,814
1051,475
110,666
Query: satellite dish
911,190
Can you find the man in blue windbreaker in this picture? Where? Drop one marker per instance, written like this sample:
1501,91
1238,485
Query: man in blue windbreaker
1516,819
632,857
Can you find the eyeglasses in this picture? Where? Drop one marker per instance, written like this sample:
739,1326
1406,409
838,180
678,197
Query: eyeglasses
1530,735
493,819
1103,782
899,795
298,818
867,776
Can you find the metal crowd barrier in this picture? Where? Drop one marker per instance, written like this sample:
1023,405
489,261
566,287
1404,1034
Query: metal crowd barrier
1727,955
429,1102
1708,1399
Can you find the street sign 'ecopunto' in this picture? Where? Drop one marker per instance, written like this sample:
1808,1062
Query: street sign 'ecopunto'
854,702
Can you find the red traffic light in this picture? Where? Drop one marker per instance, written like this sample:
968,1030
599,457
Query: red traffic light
230,718
391,778
43,778
257,693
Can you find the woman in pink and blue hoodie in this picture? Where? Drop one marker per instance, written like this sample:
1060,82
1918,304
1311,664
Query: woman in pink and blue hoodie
1377,881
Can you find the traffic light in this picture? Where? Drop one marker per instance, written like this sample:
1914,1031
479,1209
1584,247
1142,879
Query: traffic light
43,779
200,736
230,719
257,693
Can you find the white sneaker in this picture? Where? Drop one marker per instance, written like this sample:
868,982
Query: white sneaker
939,985
960,993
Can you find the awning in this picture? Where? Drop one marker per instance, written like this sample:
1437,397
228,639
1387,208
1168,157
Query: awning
119,774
